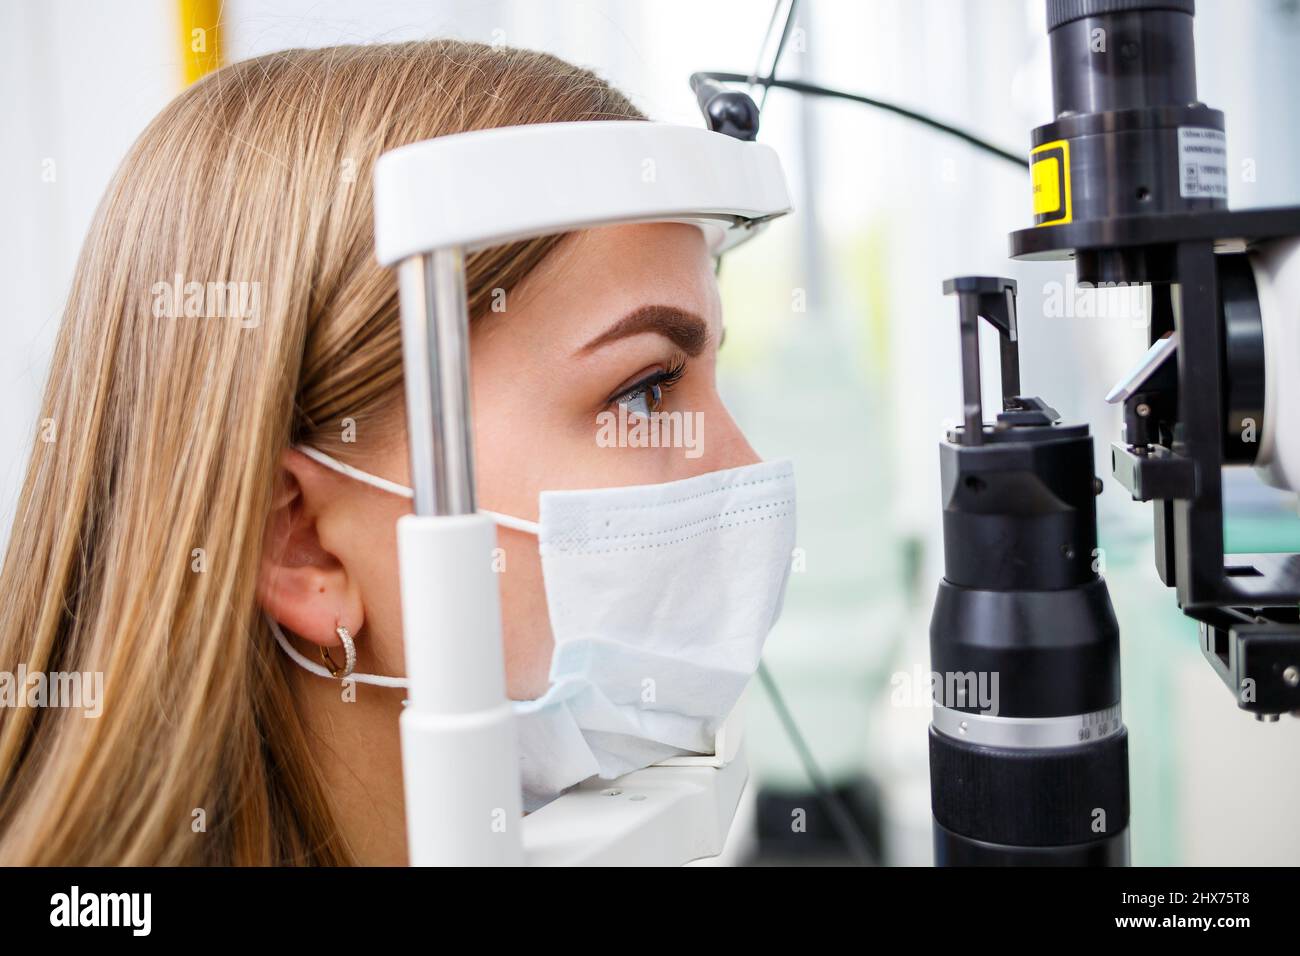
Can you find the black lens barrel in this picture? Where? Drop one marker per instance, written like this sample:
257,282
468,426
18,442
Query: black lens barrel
1020,514
1028,753
1115,55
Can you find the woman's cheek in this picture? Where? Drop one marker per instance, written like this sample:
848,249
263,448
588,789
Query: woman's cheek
526,630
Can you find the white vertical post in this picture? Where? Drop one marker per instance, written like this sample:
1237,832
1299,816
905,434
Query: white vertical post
459,764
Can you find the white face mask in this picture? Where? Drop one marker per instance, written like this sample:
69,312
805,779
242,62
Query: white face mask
660,599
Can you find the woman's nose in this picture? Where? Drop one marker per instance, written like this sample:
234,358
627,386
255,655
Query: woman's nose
725,445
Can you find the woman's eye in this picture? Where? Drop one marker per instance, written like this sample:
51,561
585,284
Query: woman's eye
646,396
642,400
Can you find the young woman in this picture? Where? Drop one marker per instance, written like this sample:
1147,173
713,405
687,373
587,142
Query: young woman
168,521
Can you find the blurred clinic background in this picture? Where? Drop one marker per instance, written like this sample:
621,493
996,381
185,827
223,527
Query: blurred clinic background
841,350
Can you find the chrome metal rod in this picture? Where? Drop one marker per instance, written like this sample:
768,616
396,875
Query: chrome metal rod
435,358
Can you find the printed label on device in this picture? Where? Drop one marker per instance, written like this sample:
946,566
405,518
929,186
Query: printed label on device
1202,163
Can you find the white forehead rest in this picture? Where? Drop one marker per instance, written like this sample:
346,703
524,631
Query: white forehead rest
493,186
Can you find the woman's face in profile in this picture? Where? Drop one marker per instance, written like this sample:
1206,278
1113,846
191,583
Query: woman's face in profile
622,316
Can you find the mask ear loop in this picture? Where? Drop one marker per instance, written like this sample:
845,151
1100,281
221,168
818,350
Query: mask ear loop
509,521
311,666
356,474
392,487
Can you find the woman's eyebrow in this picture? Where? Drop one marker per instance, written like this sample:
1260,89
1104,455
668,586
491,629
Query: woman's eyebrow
685,329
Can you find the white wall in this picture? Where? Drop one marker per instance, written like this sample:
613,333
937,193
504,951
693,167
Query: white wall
79,79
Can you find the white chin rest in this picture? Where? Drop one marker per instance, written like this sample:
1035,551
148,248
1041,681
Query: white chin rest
484,188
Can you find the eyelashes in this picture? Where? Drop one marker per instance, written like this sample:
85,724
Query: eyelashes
646,396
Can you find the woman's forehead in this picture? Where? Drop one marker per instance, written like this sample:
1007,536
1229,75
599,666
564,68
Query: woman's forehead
596,276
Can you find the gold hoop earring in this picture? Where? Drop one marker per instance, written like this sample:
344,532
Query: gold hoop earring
349,651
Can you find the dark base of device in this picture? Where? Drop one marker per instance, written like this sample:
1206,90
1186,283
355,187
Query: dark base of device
795,828
952,849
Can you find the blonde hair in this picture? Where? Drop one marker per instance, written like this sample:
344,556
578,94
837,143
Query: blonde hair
138,535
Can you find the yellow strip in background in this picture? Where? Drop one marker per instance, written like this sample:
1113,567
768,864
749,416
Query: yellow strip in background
200,22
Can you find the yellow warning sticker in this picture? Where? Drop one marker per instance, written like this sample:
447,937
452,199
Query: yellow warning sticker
1047,185
1049,168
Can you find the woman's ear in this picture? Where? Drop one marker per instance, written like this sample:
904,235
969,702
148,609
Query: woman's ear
304,587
